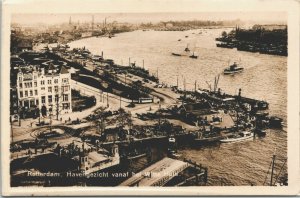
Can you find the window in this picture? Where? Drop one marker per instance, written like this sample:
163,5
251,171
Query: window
50,99
34,77
20,78
56,98
21,94
35,92
65,97
31,93
65,88
43,88
35,84
50,89
65,80
37,102
42,82
49,82
31,102
26,85
66,106
30,84
55,81
43,99
20,85
55,89
26,93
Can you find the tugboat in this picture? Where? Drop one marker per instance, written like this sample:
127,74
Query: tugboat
232,69
184,53
187,49
275,122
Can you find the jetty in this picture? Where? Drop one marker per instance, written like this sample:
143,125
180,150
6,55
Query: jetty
157,174
166,171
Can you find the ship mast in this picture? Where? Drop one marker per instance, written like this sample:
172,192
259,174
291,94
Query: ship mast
272,172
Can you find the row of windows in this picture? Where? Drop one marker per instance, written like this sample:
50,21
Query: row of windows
30,93
64,89
31,102
35,77
29,84
64,80
56,98
49,82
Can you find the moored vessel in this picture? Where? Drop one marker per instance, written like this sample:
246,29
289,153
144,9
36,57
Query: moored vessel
241,136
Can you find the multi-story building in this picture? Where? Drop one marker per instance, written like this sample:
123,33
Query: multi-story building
46,89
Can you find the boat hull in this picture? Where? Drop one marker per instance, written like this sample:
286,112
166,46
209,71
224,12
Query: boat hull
239,139
207,140
175,54
233,72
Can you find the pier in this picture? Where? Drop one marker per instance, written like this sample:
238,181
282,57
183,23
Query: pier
157,174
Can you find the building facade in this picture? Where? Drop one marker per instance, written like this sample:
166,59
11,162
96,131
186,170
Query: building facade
44,90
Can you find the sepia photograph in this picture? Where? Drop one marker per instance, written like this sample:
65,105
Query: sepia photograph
137,98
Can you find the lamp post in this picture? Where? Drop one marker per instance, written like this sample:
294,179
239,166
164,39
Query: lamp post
107,99
50,117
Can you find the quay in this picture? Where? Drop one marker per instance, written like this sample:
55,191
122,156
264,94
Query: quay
158,174
169,172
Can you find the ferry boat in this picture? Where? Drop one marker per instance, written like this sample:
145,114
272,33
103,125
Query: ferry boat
232,69
241,136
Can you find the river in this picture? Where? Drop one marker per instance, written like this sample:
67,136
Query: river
264,77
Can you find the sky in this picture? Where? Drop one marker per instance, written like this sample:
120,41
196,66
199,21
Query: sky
136,11
273,17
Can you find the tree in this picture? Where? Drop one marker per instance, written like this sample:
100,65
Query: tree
224,34
122,118
100,120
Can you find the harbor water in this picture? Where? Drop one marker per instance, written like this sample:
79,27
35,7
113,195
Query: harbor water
264,78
